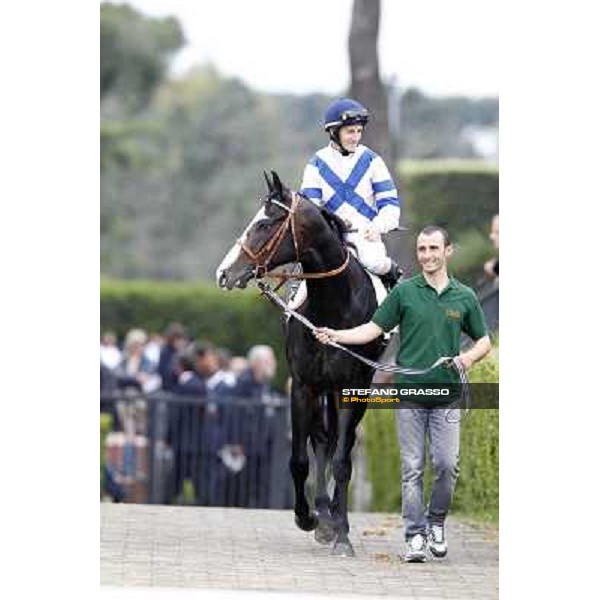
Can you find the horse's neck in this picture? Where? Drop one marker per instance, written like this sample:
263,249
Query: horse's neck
329,255
327,295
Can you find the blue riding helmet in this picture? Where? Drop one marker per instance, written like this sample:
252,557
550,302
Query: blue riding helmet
345,111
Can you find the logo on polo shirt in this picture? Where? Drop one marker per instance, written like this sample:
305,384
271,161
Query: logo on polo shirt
453,314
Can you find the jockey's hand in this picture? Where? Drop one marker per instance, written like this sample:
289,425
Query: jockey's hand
325,335
371,233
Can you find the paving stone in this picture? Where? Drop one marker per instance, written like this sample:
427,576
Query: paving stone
229,548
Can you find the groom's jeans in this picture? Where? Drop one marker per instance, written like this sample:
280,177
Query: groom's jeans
414,426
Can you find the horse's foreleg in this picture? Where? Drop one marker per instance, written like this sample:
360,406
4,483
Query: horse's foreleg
349,418
323,442
301,415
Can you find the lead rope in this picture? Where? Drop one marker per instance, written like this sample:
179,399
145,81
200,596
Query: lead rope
387,368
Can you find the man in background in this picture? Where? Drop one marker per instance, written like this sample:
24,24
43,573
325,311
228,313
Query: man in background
492,266
260,425
175,342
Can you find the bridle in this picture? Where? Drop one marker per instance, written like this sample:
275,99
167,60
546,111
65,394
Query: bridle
262,257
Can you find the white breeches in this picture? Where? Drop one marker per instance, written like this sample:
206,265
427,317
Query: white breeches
372,255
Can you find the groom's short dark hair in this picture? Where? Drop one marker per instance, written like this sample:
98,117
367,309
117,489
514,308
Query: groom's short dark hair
433,229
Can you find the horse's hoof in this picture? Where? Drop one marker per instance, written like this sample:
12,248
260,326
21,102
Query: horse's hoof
324,533
343,549
306,523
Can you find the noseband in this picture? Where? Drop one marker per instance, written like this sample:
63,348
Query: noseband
262,257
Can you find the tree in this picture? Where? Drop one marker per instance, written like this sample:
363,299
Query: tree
366,85
134,54
367,88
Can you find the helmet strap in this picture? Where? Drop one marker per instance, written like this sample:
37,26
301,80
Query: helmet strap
334,136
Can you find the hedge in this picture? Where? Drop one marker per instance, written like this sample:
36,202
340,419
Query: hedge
462,197
453,195
477,488
234,320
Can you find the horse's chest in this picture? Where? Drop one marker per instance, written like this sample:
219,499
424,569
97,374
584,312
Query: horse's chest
325,367
322,367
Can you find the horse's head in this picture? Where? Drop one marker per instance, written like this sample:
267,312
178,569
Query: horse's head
268,241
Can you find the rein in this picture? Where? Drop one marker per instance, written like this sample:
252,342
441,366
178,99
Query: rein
386,367
266,253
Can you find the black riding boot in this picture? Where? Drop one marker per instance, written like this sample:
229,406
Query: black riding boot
390,279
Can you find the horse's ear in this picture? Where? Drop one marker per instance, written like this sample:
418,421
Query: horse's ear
269,184
277,183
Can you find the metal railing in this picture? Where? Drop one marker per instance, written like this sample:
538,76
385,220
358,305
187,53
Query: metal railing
165,448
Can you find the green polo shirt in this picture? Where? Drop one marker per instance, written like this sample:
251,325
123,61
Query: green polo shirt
430,325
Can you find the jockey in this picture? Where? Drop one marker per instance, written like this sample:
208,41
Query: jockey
353,182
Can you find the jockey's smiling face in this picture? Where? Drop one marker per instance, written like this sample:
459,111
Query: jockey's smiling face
432,253
350,136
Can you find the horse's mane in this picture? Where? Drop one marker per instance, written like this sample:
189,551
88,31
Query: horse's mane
337,225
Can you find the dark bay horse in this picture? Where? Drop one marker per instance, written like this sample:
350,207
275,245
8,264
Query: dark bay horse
290,228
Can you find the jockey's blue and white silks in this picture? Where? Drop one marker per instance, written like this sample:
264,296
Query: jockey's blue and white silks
357,188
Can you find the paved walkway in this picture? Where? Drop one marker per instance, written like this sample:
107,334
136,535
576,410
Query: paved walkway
243,549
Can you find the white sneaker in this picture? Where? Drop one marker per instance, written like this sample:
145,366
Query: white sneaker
436,540
415,549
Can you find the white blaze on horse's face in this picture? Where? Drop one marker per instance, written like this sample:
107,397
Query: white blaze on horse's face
234,252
